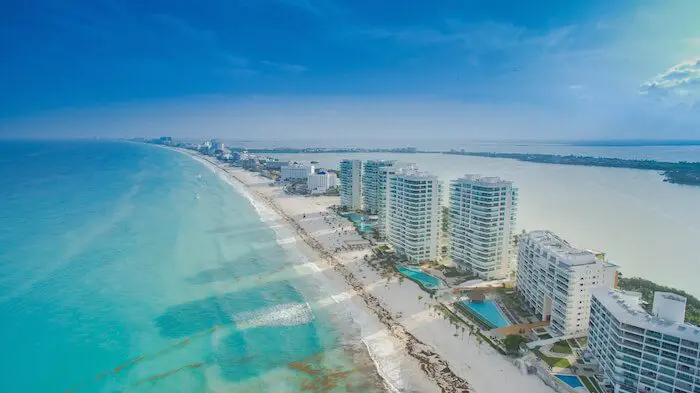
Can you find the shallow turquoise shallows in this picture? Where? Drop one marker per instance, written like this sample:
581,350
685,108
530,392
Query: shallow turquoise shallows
130,268
489,311
426,279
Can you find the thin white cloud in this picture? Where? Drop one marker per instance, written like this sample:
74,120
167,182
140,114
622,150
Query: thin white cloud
478,37
285,67
680,82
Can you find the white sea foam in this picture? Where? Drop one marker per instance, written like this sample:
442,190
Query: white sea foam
379,345
290,314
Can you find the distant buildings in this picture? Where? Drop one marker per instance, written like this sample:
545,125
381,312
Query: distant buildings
351,184
642,353
372,190
275,165
413,214
555,280
321,182
296,171
481,224
217,145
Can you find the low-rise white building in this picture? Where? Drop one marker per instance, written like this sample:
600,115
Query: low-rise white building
351,184
481,224
638,352
321,182
413,214
296,171
555,280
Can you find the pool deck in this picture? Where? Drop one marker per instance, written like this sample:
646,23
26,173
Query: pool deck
515,329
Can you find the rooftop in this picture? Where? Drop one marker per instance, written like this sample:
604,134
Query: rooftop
415,174
485,180
561,248
380,162
626,307
297,165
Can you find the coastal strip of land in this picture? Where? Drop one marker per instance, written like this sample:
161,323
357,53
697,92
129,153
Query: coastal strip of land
687,173
449,361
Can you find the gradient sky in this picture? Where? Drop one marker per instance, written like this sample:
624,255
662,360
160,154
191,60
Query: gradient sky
330,68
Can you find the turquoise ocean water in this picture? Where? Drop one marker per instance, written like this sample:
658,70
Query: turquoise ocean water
129,268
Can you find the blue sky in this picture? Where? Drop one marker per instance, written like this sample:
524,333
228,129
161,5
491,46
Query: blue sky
328,68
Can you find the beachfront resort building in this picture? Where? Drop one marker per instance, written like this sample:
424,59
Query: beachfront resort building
555,280
296,171
413,214
481,224
383,174
321,182
351,184
371,191
638,352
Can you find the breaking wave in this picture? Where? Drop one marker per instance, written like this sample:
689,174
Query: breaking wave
290,314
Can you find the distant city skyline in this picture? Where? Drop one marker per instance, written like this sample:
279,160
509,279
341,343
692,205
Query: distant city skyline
291,69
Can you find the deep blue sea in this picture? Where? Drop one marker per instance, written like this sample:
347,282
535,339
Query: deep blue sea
131,268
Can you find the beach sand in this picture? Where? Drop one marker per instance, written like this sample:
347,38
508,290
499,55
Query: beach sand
416,350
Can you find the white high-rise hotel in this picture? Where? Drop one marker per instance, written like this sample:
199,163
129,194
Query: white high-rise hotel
555,280
351,184
383,174
481,224
642,353
372,193
413,214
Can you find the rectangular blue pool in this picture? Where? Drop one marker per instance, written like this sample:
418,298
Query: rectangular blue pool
489,311
570,380
426,279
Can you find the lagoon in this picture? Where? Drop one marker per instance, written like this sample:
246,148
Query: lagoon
648,227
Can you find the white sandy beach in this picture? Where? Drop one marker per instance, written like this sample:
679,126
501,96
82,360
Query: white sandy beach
403,334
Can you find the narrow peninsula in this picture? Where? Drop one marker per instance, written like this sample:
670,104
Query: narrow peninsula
682,172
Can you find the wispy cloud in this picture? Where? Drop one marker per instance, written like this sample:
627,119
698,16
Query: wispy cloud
680,82
285,67
480,37
243,66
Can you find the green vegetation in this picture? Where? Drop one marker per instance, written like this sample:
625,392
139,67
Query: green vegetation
582,341
591,384
647,288
674,172
513,302
588,384
552,362
445,219
561,347
512,343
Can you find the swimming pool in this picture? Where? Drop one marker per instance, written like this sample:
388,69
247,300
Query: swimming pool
430,282
354,217
358,220
570,380
489,311
363,226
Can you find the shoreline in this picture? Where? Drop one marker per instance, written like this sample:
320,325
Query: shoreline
448,362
